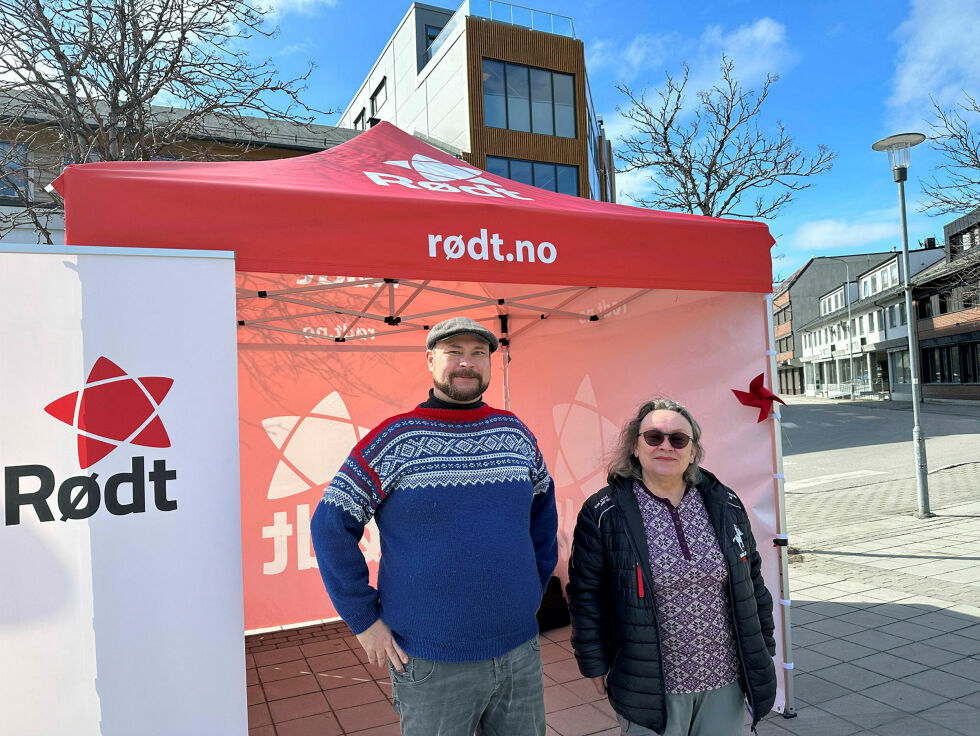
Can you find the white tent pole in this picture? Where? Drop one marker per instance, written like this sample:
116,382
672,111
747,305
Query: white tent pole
366,307
570,299
782,539
254,294
410,299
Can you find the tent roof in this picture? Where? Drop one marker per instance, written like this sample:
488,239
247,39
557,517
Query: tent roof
385,204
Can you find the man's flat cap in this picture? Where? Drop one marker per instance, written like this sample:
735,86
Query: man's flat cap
458,326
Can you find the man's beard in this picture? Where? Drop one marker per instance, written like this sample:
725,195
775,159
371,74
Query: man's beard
461,394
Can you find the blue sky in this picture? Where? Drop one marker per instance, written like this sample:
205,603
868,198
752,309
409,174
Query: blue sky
851,72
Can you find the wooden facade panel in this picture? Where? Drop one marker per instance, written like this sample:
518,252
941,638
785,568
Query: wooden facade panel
486,39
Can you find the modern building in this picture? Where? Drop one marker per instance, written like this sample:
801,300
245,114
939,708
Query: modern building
502,86
947,305
858,345
796,302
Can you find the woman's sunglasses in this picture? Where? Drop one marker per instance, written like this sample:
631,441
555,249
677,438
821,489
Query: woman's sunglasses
655,438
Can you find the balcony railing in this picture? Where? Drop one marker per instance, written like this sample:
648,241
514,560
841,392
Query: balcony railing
515,15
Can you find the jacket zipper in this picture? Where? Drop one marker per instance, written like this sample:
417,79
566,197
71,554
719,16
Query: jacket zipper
653,610
738,638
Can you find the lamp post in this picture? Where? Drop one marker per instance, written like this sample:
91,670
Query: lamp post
847,327
898,148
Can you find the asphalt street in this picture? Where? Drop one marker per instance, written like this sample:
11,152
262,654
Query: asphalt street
834,445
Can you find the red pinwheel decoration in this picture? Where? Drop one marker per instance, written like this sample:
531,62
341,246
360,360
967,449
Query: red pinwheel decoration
758,395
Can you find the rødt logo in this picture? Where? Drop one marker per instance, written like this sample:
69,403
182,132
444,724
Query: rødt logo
312,448
113,409
434,176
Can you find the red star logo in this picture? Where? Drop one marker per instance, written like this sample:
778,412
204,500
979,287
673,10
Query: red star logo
112,409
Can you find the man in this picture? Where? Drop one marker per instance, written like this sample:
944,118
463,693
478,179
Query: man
466,512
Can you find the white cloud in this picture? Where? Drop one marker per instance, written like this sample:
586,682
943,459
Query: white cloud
297,48
279,8
757,48
839,234
938,57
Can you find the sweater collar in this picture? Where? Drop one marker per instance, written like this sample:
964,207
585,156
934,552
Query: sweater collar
434,402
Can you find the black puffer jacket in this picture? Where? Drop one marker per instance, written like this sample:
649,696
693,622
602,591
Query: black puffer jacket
614,628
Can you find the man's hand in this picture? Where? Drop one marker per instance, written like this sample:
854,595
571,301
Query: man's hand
600,684
381,647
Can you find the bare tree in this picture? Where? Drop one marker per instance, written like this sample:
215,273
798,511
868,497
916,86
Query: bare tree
956,135
110,80
706,156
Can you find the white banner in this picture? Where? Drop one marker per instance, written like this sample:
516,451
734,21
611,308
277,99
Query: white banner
120,535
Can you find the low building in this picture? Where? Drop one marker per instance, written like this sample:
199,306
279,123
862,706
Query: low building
859,343
947,305
796,302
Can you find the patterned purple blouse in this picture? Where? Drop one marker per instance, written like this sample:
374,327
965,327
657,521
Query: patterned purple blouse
690,590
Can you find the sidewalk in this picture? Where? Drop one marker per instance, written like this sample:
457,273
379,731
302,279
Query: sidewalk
886,633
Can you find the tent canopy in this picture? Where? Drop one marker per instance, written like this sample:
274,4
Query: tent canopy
386,204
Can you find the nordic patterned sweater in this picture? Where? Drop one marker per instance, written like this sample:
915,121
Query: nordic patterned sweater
466,513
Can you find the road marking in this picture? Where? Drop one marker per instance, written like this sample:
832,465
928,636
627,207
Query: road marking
790,425
796,485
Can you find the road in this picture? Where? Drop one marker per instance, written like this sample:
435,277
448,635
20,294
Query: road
838,445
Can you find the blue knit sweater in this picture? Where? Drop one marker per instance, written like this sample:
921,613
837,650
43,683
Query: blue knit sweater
466,512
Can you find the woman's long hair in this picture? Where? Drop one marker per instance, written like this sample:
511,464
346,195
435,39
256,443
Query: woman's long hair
624,463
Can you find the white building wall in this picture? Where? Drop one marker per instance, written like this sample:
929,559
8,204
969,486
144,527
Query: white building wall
433,101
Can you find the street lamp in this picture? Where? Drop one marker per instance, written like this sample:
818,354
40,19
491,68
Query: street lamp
847,327
898,148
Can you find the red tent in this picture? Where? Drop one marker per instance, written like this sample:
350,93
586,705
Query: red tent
351,253
385,203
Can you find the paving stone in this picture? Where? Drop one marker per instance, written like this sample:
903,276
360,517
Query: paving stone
862,710
912,726
903,696
924,654
937,620
852,677
889,665
816,690
812,721
804,636
943,683
835,627
968,667
807,660
844,651
956,716
956,644
876,640
910,631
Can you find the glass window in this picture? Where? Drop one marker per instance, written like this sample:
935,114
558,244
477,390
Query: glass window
13,167
521,171
498,166
523,98
894,272
568,180
892,316
542,108
494,94
865,287
874,283
544,176
901,311
564,105
885,279
518,98
379,97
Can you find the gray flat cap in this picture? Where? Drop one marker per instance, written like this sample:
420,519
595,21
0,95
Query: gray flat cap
458,326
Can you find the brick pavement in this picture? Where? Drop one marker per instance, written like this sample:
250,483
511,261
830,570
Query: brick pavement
886,629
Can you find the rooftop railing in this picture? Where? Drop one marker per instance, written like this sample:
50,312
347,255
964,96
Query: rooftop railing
501,12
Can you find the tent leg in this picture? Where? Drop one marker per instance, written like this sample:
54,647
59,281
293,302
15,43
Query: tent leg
505,356
782,539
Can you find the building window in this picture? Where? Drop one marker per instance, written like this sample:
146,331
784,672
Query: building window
942,365
527,99
361,120
553,177
379,97
900,370
431,34
893,316
13,171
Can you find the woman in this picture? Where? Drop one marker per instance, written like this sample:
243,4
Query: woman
670,616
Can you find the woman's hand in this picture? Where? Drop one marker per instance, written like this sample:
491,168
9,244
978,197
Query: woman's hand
600,684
